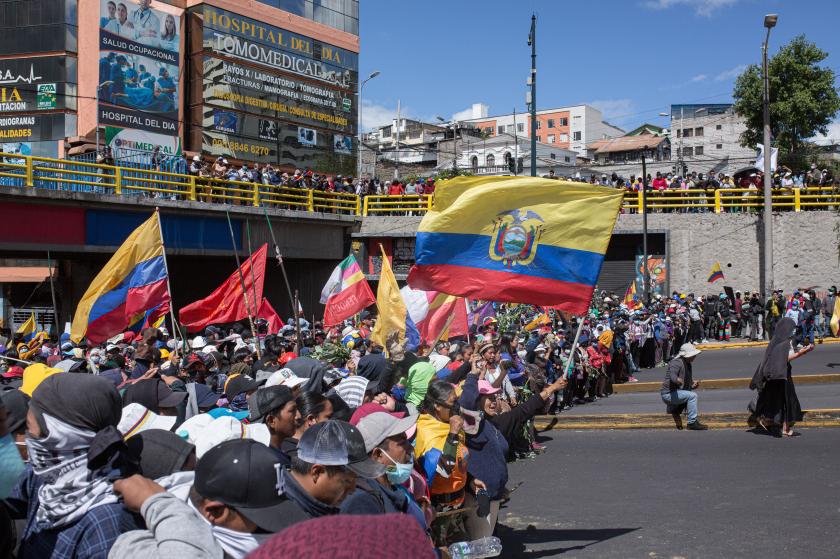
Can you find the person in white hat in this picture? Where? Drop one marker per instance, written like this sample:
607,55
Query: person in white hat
674,391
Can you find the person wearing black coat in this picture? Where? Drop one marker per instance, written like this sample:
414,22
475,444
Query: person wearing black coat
777,403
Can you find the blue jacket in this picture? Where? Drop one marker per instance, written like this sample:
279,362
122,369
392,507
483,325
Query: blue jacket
488,448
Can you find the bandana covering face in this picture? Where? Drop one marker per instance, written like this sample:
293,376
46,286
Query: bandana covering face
69,490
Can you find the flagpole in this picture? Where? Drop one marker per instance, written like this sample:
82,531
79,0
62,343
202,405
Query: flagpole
253,284
239,271
296,318
570,363
175,328
282,266
52,292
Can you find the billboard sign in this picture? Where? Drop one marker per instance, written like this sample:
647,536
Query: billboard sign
234,85
40,83
139,68
247,39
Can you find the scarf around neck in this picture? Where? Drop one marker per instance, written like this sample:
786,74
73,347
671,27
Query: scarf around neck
69,488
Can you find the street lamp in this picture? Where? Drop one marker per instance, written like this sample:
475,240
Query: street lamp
359,148
769,23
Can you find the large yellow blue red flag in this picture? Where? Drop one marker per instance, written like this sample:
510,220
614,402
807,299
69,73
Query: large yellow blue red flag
132,282
516,239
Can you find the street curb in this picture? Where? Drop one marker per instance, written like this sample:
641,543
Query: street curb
726,420
738,345
713,384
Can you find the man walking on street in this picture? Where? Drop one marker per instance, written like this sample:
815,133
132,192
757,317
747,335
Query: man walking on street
679,385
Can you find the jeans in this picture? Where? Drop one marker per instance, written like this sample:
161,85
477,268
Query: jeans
808,332
821,325
676,397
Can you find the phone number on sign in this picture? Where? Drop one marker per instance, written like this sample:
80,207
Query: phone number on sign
241,147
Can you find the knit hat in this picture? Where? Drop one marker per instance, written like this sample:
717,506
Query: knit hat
350,537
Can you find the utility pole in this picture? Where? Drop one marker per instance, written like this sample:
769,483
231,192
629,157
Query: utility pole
769,22
645,271
532,41
397,152
515,146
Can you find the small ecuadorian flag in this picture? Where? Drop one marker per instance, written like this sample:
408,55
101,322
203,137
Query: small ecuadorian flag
28,329
716,273
516,240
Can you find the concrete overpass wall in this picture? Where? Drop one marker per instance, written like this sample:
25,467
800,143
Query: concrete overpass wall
805,246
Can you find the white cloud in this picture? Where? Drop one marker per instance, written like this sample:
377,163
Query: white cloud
699,78
732,73
703,8
375,114
830,137
463,115
613,108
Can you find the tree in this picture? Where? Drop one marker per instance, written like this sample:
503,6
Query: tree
803,99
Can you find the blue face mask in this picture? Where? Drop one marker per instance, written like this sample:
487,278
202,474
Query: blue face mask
398,473
11,466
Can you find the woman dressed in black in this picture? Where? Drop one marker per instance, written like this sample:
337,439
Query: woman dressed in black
777,403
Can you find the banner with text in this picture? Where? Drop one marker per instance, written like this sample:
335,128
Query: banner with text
139,69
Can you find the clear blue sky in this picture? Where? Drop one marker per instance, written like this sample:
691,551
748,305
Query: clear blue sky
630,58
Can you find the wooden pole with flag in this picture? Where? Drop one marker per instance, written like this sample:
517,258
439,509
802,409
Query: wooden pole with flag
52,293
239,270
176,330
292,300
253,285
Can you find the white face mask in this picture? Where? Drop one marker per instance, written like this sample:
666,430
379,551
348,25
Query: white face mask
238,544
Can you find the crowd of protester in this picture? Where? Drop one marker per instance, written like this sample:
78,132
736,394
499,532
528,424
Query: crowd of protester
154,446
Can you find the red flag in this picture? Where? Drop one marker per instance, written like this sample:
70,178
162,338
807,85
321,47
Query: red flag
267,312
226,304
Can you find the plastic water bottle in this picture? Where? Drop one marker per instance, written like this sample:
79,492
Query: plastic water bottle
489,546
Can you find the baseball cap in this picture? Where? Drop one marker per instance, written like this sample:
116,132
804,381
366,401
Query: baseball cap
378,426
267,400
284,377
484,387
238,384
15,371
242,474
34,375
137,418
17,405
337,443
226,428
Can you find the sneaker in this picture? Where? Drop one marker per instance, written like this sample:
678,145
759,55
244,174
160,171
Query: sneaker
537,447
697,426
632,379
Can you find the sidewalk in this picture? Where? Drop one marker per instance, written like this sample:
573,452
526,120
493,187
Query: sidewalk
715,345
724,408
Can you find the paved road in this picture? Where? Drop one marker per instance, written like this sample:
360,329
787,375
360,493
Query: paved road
737,363
811,396
676,494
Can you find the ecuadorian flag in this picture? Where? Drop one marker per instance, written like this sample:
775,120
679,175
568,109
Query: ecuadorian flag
516,239
132,282
28,329
716,273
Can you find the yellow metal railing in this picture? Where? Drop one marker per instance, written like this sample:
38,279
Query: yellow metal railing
397,205
732,199
79,176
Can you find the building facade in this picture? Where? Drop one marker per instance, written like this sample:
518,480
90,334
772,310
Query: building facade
706,138
565,127
269,81
39,42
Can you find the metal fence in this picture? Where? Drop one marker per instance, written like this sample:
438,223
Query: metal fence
134,176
